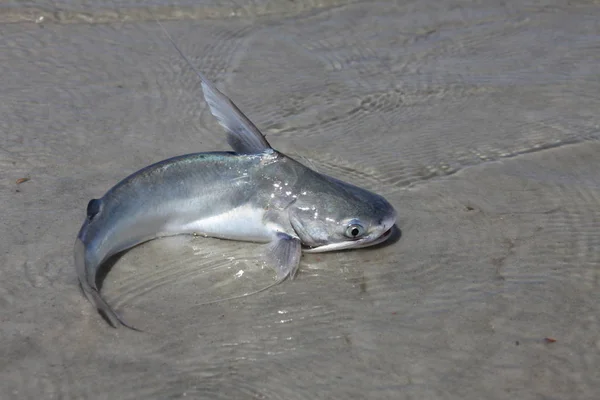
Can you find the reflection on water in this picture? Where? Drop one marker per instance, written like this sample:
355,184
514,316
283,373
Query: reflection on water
479,122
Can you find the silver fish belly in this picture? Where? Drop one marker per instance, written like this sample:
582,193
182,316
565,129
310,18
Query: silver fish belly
252,194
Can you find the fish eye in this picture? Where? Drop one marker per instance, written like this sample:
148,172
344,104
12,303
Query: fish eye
355,230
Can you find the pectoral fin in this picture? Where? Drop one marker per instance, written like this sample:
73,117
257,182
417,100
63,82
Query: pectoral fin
284,255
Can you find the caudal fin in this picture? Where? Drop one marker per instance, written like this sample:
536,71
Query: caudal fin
88,287
104,308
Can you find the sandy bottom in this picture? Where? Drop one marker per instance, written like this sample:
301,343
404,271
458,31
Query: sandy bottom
479,122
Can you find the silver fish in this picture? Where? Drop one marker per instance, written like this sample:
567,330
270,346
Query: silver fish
254,194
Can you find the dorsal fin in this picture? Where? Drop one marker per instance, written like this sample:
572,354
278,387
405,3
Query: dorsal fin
242,135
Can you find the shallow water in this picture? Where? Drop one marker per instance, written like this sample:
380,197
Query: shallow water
478,121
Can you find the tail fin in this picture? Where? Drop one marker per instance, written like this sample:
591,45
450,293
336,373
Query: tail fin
89,289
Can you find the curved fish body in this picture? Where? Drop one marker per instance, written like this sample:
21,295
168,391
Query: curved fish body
252,194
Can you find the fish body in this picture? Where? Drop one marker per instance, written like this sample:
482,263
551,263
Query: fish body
252,194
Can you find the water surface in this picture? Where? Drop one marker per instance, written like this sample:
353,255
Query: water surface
478,121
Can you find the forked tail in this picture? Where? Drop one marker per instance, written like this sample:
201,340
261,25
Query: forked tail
88,287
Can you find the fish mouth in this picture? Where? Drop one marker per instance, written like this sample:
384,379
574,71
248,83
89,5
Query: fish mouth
354,244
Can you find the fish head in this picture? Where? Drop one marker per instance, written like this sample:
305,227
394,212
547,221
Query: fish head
340,216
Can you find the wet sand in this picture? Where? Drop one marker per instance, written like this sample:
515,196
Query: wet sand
478,121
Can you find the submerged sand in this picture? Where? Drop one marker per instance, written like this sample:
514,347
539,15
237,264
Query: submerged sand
479,121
